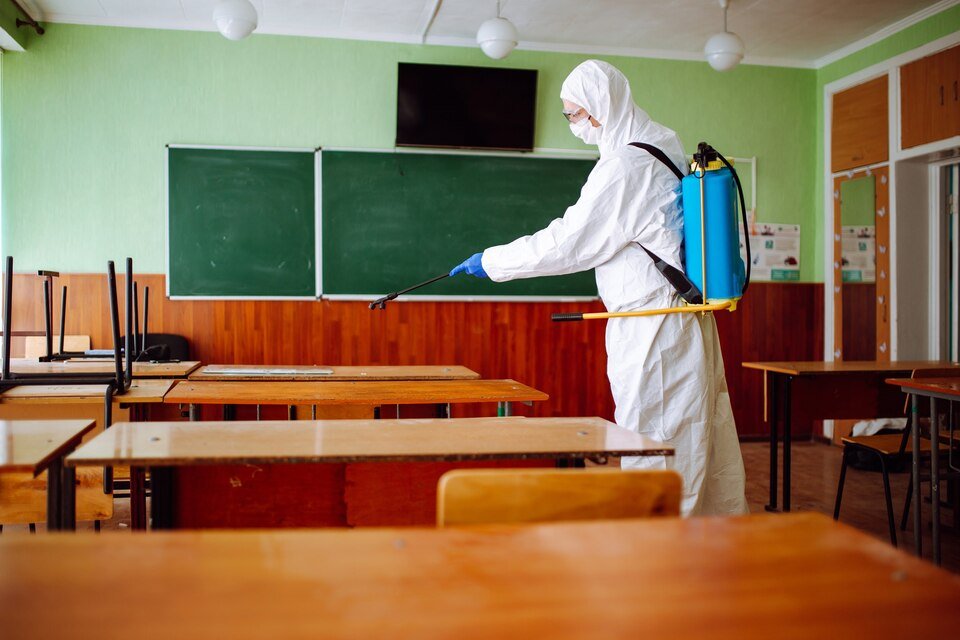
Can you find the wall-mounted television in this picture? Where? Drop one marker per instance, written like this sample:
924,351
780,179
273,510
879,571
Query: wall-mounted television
465,107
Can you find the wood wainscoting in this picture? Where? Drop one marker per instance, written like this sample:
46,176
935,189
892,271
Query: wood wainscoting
498,340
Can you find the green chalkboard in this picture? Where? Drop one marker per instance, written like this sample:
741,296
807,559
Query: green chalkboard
241,223
391,220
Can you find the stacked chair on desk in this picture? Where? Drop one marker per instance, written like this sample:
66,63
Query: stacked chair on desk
116,383
890,451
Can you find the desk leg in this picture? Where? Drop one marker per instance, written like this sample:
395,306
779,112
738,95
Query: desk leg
787,413
194,412
162,497
443,410
773,407
138,499
54,492
915,462
68,517
935,478
229,412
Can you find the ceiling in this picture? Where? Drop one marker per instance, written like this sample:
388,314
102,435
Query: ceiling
805,33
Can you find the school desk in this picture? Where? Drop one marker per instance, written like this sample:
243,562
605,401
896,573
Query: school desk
366,394
744,578
93,366
56,402
936,390
287,373
817,390
38,447
403,501
165,448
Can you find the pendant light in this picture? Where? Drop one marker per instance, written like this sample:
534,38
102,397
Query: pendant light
235,19
497,36
724,50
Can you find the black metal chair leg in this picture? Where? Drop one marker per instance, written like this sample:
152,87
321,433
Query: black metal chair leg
886,494
33,527
96,526
906,504
843,476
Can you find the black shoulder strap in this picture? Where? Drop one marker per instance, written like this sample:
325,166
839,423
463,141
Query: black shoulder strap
659,155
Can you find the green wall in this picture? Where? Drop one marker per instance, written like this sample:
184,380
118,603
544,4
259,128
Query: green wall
87,111
934,27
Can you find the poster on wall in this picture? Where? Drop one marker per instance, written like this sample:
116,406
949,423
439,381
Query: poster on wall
858,246
775,252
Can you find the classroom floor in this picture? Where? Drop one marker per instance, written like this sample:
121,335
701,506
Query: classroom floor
816,469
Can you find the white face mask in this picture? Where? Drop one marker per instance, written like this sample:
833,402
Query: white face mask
586,131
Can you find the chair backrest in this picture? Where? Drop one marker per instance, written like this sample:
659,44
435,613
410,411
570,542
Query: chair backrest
36,346
504,496
176,347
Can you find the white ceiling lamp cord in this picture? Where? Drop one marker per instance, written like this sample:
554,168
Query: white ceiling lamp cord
430,20
497,36
724,50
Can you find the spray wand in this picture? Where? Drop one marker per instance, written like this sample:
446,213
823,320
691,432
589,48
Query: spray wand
381,303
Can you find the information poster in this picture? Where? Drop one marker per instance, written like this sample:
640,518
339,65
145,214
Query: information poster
858,246
775,252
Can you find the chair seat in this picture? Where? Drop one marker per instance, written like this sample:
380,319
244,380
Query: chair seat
888,444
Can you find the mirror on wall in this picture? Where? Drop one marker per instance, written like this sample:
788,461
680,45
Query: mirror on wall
858,240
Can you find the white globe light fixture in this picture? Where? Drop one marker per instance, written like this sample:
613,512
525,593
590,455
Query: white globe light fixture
497,36
235,19
724,50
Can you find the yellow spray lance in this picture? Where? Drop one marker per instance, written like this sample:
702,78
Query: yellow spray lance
711,240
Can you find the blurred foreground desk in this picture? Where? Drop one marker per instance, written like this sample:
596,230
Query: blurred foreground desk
745,578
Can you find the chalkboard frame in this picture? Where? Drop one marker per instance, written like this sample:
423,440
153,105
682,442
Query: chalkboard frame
537,154
318,245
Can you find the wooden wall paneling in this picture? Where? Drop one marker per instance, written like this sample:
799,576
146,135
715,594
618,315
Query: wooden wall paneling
837,271
859,320
775,321
930,98
882,222
859,132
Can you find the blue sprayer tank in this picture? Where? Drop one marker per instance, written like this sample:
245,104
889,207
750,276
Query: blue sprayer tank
725,270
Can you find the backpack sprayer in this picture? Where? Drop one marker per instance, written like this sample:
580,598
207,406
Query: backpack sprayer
710,238
714,278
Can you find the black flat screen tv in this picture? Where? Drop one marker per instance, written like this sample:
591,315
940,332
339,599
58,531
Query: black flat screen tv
465,107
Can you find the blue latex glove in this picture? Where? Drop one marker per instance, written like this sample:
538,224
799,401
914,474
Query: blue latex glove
472,265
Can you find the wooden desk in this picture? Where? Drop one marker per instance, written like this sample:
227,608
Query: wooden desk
140,369
365,394
285,373
745,578
816,390
140,392
936,389
57,402
164,446
38,446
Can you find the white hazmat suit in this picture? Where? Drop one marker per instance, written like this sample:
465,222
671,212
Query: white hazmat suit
666,372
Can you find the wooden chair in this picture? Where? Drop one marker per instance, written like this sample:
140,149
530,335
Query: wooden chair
504,496
887,449
36,346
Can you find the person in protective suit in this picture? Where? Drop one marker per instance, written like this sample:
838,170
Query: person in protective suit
666,372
